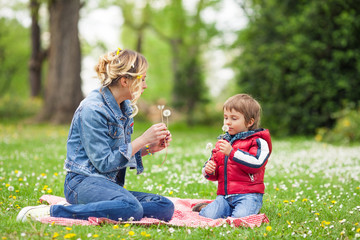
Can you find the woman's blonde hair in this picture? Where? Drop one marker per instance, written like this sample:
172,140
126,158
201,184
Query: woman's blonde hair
247,106
123,63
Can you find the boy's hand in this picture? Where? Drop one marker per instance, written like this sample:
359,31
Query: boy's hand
210,167
225,147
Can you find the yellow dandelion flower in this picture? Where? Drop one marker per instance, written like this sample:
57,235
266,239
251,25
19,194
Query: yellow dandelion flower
285,201
49,191
289,223
95,235
265,234
305,200
357,188
277,189
356,224
14,197
68,228
292,200
43,174
20,179
143,233
55,235
17,191
346,122
4,238
171,192
56,174
118,51
131,233
16,171
318,137
147,235
358,230
317,214
69,235
279,214
333,201
126,225
124,187
7,185
115,227
268,228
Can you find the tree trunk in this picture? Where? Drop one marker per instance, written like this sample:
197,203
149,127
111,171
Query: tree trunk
36,59
63,89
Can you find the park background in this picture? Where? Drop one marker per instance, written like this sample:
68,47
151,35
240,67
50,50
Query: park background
299,59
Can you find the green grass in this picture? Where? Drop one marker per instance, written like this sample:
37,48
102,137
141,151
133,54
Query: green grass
312,189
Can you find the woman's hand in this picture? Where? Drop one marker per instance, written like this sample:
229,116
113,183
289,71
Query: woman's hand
157,137
155,133
160,145
225,147
210,167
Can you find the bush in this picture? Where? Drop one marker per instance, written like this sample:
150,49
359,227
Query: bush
346,129
14,108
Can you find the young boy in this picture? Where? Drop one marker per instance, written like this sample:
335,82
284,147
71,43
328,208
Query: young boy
238,161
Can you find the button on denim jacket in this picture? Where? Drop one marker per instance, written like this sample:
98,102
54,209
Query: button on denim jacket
99,141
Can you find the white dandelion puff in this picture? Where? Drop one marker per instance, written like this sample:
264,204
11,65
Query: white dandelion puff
225,128
167,113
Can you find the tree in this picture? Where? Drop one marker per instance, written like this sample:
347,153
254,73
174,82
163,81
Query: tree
37,54
187,35
301,60
63,87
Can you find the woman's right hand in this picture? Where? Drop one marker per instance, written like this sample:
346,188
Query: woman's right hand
210,167
155,133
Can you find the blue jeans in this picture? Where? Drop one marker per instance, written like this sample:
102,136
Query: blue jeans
237,206
99,197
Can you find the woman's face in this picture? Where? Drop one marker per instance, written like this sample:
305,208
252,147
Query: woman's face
143,83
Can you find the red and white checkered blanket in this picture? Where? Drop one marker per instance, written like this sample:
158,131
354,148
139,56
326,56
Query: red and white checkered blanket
183,216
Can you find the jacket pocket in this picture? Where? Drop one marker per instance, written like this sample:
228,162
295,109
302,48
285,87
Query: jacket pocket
115,130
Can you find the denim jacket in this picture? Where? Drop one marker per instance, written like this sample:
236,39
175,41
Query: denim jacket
99,141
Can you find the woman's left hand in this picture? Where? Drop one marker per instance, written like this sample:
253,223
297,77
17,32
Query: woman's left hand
160,145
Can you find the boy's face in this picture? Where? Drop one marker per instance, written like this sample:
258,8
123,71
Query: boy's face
235,121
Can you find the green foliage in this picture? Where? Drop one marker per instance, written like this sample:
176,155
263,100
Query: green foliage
301,59
346,129
14,57
174,49
17,108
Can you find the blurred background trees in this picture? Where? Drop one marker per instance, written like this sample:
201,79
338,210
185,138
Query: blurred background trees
300,59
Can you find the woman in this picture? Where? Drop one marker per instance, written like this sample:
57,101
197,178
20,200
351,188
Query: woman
99,149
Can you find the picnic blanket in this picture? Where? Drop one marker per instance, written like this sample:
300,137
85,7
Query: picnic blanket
183,216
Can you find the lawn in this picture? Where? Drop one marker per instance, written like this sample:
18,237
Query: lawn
312,188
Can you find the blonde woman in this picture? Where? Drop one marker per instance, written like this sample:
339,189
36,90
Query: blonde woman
99,149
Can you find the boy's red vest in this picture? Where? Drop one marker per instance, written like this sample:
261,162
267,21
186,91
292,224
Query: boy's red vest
243,170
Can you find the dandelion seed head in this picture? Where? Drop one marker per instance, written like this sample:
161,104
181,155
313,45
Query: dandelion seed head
167,113
225,128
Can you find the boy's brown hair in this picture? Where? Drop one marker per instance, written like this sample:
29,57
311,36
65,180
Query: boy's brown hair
246,105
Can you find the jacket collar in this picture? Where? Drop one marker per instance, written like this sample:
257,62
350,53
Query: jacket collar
124,111
240,135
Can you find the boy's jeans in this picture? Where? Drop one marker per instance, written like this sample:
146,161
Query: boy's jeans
99,197
237,206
